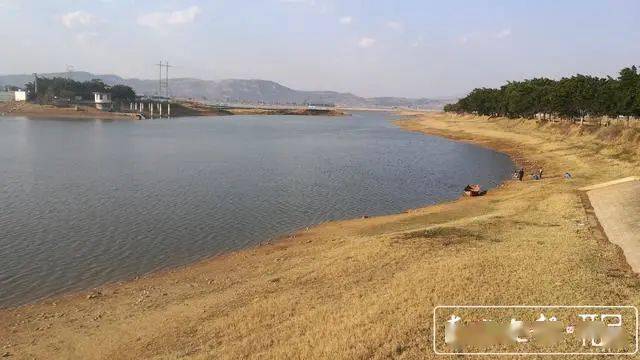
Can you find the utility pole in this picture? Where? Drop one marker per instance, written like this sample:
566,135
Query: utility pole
160,65
166,84
69,71
35,85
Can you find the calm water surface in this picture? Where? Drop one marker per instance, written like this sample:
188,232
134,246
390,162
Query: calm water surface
87,202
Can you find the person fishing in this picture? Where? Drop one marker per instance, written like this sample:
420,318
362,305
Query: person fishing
520,174
537,175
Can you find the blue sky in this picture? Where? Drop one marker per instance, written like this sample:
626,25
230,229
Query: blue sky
371,48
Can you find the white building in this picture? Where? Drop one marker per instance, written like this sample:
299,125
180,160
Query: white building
20,95
102,100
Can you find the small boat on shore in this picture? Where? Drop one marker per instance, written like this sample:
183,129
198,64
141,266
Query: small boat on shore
474,190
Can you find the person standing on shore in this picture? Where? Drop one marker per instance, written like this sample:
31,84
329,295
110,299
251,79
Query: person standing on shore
520,174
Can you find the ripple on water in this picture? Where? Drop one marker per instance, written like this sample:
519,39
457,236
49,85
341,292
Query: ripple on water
86,203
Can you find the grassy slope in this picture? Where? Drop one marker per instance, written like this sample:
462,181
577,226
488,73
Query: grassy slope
364,288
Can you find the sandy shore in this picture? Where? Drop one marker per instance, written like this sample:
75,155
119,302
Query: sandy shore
365,288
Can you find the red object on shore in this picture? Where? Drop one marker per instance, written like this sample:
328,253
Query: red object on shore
474,190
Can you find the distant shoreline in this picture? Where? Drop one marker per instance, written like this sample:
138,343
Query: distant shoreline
178,109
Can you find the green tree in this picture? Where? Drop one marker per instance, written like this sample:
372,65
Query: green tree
574,97
62,88
627,94
122,93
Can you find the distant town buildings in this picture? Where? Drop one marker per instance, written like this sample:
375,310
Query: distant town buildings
102,100
320,105
13,95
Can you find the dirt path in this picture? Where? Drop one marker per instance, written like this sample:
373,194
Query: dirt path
362,288
617,207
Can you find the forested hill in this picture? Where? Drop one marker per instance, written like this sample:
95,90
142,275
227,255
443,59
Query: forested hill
569,97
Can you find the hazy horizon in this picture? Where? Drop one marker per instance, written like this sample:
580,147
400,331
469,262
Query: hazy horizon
97,73
409,49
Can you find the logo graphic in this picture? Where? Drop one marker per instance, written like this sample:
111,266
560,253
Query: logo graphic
535,330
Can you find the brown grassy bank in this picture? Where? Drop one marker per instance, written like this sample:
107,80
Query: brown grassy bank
49,111
364,288
193,108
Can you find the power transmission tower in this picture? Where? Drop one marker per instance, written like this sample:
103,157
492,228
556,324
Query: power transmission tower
35,84
166,84
69,71
160,65
163,83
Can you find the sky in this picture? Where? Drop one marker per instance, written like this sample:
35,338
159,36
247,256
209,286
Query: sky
412,48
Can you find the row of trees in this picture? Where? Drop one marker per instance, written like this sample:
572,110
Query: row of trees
574,97
63,88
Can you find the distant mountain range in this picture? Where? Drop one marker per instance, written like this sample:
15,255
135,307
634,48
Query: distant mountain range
237,91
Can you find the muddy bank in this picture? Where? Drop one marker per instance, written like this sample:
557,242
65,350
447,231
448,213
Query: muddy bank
191,108
293,111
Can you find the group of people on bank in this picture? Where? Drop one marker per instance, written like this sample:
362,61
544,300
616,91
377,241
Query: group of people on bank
536,175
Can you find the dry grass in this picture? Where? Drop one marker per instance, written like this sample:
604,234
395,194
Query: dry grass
363,288
27,109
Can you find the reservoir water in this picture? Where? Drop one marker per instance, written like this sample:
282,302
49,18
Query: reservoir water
84,202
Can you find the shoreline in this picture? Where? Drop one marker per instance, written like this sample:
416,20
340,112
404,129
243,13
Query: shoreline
268,269
40,116
178,109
